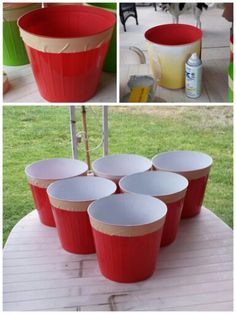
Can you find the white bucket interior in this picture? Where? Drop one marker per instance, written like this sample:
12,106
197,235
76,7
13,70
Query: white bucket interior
181,161
154,183
56,169
127,210
81,189
121,165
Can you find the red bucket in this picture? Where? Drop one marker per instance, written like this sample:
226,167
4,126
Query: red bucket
115,167
70,199
127,231
42,173
169,188
195,167
67,46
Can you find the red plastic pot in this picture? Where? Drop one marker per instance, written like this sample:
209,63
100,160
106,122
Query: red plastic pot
194,166
127,232
42,173
67,46
168,187
69,200
115,167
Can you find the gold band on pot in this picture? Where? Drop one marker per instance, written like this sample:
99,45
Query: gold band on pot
70,205
40,183
126,231
168,199
190,175
44,183
65,45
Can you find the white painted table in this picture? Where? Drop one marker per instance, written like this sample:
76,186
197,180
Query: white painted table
194,273
24,89
214,84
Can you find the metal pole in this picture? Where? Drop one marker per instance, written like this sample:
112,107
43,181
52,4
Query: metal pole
86,143
74,140
105,129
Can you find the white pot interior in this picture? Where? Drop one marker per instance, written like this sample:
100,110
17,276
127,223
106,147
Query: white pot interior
121,165
154,183
56,169
81,189
182,161
127,210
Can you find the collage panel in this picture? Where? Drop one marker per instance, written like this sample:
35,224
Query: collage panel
176,52
59,52
117,156
140,165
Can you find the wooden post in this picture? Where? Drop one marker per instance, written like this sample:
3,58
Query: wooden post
74,139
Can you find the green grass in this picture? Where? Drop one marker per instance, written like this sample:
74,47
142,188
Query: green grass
34,133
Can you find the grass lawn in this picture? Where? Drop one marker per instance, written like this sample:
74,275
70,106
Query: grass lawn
32,133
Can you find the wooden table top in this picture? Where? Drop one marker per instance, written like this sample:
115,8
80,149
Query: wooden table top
193,273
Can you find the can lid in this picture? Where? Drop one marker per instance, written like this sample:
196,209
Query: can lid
194,60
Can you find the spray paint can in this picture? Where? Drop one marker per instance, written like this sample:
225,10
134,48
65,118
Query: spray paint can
193,76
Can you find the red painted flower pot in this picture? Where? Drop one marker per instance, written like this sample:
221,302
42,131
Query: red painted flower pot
42,173
67,46
195,167
168,187
127,232
115,167
70,199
